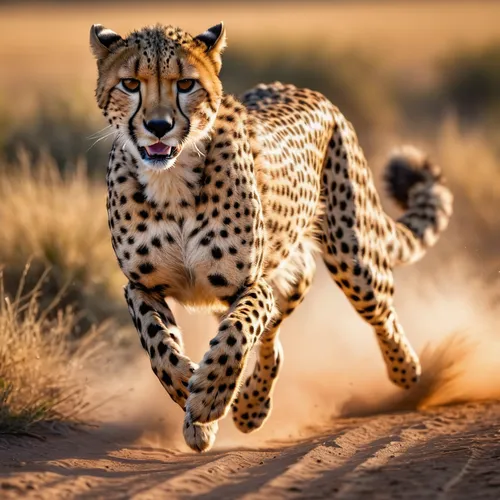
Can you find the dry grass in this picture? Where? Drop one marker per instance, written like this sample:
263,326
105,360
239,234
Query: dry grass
40,366
47,337
60,221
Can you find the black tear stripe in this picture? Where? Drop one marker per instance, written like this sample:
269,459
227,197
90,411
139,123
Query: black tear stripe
158,75
131,128
181,69
182,113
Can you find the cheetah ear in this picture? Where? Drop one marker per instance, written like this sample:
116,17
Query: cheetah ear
215,41
101,40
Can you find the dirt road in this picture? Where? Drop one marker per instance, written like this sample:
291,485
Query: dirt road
445,453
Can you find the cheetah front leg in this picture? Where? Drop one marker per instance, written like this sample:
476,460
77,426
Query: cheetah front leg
214,384
161,339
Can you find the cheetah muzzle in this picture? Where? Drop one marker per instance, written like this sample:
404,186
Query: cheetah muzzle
159,152
222,202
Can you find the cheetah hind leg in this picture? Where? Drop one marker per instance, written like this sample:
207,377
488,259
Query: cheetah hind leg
359,263
376,308
253,405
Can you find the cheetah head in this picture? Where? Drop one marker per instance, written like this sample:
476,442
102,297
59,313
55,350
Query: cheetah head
159,88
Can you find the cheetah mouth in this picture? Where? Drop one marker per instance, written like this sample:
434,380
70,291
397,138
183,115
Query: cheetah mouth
158,152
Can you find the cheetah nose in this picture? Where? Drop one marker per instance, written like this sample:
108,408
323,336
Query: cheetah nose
159,127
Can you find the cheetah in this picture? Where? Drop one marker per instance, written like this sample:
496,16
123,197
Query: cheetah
222,203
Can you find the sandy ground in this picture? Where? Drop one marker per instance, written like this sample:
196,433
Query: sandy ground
446,453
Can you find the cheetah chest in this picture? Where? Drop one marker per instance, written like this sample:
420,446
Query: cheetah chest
183,254
165,256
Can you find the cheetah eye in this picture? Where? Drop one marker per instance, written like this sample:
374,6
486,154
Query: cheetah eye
131,84
185,85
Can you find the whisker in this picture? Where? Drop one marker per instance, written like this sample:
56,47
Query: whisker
99,140
98,133
125,144
198,151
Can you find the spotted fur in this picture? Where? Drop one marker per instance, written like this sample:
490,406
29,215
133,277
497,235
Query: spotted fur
232,222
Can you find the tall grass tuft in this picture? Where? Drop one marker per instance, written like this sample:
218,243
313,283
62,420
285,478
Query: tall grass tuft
40,363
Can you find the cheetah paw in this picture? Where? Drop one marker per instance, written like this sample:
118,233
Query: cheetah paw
404,372
252,407
175,376
199,437
213,385
250,417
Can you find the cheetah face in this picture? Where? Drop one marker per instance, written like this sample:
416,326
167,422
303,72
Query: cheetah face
159,88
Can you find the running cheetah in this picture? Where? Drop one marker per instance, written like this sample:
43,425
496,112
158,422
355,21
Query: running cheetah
220,202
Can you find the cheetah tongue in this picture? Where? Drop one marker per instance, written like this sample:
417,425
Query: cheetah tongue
159,149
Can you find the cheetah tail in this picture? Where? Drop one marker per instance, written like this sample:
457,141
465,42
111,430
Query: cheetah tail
417,186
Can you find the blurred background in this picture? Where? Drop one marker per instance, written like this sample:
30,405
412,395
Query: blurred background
425,72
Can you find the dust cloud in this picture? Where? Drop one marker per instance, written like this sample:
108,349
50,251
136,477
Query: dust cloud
333,368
